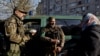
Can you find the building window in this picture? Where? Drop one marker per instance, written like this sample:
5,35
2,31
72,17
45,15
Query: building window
97,13
58,8
72,4
83,8
72,10
98,6
96,0
80,2
58,1
78,9
87,1
87,7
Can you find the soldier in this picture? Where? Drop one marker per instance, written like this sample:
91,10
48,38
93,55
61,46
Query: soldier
54,37
15,32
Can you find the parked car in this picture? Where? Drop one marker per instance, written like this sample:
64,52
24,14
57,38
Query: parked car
69,24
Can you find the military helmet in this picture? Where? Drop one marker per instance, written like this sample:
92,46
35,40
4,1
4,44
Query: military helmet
23,6
23,9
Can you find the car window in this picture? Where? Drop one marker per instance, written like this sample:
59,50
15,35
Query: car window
32,24
67,22
69,26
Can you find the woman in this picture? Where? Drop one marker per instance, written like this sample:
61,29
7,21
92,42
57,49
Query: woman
89,44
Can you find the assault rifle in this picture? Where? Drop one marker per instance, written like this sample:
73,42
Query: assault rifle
56,36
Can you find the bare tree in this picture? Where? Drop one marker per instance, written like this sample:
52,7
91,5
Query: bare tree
8,6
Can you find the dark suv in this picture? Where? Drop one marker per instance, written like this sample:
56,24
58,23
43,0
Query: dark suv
69,24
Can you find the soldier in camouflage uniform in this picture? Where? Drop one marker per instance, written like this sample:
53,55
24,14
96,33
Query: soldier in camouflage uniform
15,32
54,37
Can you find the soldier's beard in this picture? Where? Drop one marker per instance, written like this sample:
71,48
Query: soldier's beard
52,25
22,18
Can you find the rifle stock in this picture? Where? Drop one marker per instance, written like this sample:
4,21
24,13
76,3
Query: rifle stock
55,49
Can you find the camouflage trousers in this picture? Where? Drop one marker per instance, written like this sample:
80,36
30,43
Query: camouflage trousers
14,50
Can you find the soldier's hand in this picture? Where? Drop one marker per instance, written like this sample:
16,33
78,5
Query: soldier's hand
55,41
25,39
58,49
33,32
22,43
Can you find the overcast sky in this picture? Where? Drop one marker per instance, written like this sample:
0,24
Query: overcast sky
36,1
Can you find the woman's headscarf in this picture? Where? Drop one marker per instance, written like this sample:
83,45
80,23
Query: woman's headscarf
89,19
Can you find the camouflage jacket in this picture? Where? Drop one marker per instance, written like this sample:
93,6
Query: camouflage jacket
15,30
53,33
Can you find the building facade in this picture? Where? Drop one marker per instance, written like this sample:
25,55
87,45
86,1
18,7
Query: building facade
69,7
